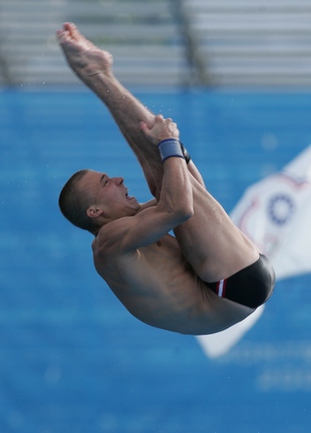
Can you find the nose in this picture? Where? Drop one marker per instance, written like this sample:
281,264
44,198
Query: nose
118,180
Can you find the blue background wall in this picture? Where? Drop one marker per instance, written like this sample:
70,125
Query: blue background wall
72,359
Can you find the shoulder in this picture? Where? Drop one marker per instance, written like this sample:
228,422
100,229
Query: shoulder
110,237
121,236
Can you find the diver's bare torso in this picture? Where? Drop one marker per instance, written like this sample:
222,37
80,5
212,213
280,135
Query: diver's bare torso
158,286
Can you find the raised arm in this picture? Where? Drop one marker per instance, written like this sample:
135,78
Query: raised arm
176,193
175,205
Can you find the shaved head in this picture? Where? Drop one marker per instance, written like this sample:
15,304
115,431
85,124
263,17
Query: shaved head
74,202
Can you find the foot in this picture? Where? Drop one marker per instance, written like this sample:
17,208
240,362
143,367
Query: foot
84,58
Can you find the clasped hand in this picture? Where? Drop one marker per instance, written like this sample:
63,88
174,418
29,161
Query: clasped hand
162,129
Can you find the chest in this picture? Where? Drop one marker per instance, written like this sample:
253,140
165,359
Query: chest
148,269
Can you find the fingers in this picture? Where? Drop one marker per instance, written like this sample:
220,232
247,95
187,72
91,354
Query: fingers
144,126
159,119
160,130
158,122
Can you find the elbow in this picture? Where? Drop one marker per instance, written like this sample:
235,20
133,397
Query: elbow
189,212
184,208
187,206
186,212
178,211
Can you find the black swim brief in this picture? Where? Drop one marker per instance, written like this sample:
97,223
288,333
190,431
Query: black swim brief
252,286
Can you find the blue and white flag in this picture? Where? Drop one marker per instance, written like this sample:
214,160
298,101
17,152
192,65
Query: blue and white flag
275,214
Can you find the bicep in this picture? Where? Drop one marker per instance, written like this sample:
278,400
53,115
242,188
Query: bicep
148,227
129,233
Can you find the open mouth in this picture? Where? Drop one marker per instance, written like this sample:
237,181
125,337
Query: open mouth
128,197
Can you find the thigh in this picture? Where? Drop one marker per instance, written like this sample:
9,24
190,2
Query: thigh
153,172
209,240
211,243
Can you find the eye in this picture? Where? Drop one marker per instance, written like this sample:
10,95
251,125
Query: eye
104,180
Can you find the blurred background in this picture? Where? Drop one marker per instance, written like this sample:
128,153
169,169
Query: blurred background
236,77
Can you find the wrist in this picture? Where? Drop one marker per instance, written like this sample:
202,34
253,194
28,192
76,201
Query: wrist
170,148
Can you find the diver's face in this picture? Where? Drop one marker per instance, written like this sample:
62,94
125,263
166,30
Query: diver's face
109,194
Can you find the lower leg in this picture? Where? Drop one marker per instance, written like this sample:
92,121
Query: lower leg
94,67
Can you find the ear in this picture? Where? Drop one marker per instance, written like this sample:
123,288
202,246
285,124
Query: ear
94,212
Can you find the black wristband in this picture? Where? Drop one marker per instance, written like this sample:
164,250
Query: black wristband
185,153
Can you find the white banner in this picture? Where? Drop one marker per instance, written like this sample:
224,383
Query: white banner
275,214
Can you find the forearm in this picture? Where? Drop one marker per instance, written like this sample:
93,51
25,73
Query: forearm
176,194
